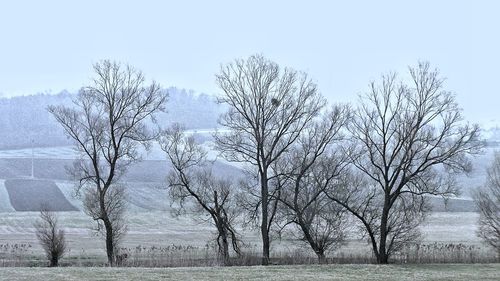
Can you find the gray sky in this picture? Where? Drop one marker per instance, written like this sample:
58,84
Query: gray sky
51,45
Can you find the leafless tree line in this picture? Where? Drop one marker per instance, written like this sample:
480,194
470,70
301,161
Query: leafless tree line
378,161
308,167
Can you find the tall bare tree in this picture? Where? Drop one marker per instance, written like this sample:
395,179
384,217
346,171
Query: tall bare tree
488,202
313,166
268,108
193,186
51,237
108,123
409,140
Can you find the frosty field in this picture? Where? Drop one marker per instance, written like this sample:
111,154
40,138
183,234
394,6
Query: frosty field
155,230
155,238
484,272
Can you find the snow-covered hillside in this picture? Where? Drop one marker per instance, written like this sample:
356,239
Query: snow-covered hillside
24,120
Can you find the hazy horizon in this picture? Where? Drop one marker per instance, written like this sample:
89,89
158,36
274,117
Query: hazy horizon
51,45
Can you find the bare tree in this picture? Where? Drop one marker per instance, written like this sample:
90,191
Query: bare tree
268,108
193,186
321,223
409,141
313,165
51,237
108,123
361,197
488,202
115,201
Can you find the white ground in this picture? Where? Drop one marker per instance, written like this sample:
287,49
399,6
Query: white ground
158,228
5,205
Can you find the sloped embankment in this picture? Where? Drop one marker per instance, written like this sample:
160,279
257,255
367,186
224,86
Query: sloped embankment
5,205
32,195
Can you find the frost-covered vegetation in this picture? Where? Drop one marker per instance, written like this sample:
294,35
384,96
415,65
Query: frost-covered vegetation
157,239
450,272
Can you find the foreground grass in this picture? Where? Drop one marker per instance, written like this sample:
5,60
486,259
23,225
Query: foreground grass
481,272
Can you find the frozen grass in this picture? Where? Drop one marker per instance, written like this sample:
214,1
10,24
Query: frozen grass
450,272
156,230
456,227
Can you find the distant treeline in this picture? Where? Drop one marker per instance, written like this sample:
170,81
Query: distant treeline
25,118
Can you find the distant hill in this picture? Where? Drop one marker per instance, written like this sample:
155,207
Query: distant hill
52,186
25,118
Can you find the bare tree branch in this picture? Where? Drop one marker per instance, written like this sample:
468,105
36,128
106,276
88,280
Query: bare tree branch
306,173
409,141
268,109
193,186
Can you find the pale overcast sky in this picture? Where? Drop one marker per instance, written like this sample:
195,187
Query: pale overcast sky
51,45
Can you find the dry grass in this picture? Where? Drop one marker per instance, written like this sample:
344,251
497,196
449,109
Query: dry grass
156,239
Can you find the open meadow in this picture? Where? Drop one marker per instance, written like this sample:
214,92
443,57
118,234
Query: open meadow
155,238
429,272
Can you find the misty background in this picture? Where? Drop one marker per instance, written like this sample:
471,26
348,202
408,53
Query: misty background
49,46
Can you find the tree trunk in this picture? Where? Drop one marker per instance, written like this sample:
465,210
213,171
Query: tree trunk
264,228
222,242
109,242
321,257
382,257
319,251
54,260
225,250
